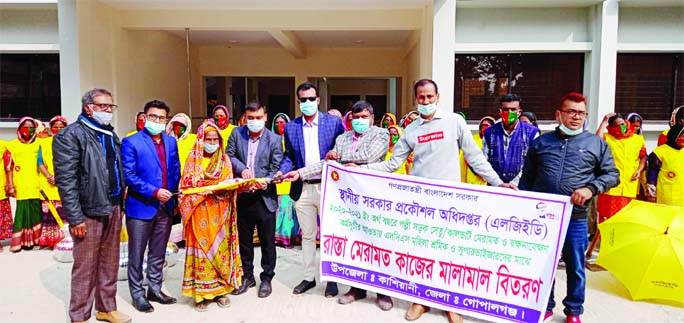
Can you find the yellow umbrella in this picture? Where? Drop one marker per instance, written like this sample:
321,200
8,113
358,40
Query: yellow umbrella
644,249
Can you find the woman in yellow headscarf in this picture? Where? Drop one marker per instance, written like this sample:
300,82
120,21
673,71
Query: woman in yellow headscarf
22,183
213,267
395,133
388,120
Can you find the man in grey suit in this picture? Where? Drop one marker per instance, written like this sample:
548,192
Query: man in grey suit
367,144
257,152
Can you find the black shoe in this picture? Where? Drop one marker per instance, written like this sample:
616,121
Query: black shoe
247,283
160,297
304,286
264,289
331,290
142,305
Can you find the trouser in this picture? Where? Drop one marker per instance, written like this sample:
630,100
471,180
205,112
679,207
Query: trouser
573,254
141,233
251,212
96,264
308,207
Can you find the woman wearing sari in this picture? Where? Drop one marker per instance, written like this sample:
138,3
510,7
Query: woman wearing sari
388,120
467,174
51,232
665,176
22,183
394,134
6,222
213,267
287,227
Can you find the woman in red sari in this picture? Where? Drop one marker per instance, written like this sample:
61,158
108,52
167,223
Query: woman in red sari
213,267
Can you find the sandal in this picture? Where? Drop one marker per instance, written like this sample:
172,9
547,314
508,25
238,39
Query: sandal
202,306
223,301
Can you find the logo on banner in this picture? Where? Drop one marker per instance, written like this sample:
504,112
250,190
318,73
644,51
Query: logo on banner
335,176
543,214
430,137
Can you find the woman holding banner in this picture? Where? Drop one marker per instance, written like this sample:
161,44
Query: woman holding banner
213,267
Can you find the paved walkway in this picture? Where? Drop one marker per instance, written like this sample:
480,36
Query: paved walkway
35,288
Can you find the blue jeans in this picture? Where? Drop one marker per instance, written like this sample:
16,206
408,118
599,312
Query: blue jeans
573,254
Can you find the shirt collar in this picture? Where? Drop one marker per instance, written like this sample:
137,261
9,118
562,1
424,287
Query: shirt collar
314,122
438,115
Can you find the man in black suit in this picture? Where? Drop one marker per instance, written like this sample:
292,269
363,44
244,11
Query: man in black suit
256,152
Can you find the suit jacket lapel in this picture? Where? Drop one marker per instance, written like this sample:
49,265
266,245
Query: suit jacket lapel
147,139
243,144
299,137
263,144
322,149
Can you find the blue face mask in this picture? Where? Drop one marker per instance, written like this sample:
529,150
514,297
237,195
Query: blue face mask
154,128
427,110
255,125
210,148
308,108
360,126
569,131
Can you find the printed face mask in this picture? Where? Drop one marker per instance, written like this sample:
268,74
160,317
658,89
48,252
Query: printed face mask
509,117
179,129
27,132
221,121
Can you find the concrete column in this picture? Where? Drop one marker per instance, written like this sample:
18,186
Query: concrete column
443,38
70,80
392,95
603,60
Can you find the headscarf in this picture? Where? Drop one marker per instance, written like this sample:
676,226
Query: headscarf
673,117
673,134
347,117
183,119
399,132
139,127
531,116
485,118
403,122
632,118
273,124
225,109
335,112
42,129
393,120
36,123
58,118
219,167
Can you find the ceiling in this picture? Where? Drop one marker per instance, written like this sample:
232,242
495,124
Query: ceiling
265,4
310,39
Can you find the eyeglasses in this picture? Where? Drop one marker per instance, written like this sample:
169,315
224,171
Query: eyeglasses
304,99
155,117
103,106
573,113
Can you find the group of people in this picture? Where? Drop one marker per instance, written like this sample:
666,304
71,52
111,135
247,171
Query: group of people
99,176
28,176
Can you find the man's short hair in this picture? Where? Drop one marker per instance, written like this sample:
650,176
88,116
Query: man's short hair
157,104
510,97
306,86
573,97
255,106
424,82
360,106
90,95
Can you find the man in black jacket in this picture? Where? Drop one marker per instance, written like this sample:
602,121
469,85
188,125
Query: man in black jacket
570,161
88,174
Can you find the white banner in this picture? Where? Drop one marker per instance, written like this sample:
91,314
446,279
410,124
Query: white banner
484,252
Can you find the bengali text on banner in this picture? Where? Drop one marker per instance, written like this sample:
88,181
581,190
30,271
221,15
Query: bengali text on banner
480,251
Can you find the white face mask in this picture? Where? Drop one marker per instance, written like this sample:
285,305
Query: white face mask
255,125
102,117
210,148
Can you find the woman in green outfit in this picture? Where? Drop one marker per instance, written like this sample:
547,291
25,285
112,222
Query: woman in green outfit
287,228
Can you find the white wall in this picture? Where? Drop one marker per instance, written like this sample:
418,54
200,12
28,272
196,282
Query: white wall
507,25
651,25
28,27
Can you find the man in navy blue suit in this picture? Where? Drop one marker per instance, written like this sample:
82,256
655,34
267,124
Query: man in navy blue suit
307,139
152,172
